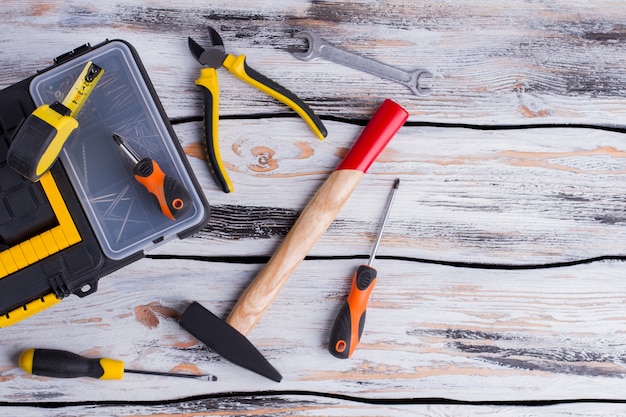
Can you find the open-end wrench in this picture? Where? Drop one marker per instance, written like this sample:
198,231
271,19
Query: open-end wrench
319,48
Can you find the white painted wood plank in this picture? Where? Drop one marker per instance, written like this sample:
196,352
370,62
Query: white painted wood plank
520,197
300,405
495,63
431,331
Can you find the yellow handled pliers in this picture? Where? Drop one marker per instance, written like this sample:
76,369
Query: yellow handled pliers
213,58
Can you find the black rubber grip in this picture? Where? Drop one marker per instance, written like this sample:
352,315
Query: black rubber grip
257,76
28,146
215,166
62,364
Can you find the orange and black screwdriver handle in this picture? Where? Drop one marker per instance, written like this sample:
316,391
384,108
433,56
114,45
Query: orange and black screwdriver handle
170,195
172,198
348,327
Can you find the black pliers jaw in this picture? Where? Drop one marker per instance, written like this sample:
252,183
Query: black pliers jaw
213,56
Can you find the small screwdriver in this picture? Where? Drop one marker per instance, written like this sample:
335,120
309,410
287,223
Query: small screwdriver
349,323
62,364
170,195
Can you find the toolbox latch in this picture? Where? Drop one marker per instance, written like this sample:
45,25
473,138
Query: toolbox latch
59,285
71,54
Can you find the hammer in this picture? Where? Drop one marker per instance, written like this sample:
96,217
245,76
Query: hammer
317,216
225,338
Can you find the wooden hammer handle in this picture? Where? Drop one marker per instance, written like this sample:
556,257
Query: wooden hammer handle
317,217
310,226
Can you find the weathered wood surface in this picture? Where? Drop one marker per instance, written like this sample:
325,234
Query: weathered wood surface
501,267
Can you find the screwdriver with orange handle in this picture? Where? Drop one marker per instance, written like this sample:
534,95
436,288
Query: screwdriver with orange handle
62,364
349,323
170,195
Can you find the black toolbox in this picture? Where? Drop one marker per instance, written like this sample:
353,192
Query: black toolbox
87,216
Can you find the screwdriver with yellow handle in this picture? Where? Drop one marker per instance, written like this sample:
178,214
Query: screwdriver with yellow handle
170,195
63,364
349,323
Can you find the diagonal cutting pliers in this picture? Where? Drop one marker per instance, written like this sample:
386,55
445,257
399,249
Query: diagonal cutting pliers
214,57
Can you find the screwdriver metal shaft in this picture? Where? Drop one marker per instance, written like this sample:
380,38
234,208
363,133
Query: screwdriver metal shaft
173,374
390,201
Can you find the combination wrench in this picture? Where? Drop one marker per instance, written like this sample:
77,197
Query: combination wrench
319,48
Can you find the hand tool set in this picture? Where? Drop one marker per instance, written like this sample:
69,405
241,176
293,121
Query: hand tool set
97,204
66,224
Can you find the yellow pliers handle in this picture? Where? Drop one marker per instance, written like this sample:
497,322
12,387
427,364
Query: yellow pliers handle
208,80
238,67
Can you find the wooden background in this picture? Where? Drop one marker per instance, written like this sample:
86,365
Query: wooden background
501,271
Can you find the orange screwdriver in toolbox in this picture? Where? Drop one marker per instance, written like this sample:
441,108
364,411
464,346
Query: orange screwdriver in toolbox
349,323
170,195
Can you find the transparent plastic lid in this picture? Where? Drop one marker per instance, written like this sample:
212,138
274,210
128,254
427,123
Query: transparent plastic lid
124,215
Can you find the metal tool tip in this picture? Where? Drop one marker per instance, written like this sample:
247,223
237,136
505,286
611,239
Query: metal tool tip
302,35
195,48
216,39
312,42
396,183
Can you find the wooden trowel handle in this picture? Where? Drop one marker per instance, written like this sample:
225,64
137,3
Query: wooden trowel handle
317,216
